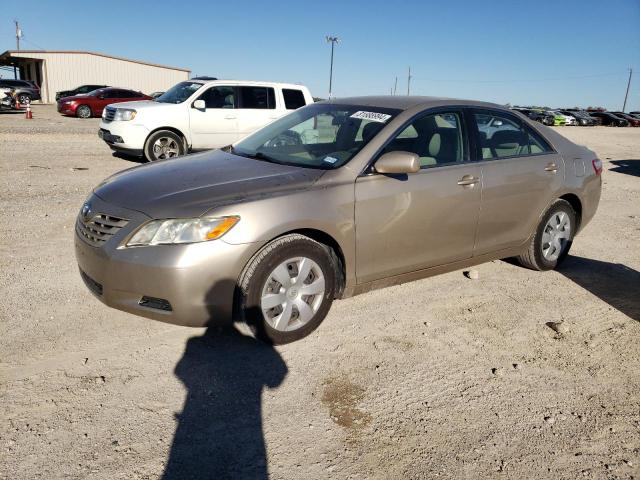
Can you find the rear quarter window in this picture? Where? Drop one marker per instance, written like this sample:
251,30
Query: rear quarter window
293,99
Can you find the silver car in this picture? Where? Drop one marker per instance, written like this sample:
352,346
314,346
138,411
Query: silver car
336,199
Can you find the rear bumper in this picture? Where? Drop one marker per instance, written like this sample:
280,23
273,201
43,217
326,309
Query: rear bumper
191,285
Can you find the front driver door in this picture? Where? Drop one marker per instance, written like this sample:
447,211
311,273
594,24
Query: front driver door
409,222
217,124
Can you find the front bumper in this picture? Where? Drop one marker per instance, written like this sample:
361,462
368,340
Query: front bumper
191,285
124,137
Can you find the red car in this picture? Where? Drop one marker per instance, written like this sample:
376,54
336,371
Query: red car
633,121
91,104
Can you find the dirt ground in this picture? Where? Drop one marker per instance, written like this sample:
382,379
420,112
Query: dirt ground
446,377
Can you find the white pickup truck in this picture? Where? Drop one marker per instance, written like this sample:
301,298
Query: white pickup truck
197,115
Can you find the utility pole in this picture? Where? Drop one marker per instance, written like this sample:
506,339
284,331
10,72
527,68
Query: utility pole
624,106
18,34
395,86
409,82
332,40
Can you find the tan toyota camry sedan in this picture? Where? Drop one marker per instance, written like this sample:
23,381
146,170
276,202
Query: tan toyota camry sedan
336,199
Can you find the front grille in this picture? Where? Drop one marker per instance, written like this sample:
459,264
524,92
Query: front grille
99,228
91,284
109,114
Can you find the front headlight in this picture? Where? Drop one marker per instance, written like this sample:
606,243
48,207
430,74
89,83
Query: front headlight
124,114
182,230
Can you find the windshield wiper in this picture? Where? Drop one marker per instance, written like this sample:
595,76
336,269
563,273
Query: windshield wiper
255,156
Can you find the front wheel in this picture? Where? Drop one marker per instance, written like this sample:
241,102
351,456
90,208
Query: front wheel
287,288
163,144
552,241
24,98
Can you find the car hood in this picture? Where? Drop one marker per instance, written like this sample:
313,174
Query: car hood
143,104
190,186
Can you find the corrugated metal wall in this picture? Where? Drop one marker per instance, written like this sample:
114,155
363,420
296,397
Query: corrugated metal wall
64,71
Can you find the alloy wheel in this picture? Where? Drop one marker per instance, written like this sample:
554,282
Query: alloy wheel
165,147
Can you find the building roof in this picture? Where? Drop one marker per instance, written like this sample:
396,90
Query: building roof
25,54
404,102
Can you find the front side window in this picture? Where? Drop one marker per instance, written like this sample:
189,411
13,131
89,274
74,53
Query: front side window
502,136
219,97
293,99
179,92
257,97
322,136
436,138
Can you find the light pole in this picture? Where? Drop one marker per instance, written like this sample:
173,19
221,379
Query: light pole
332,41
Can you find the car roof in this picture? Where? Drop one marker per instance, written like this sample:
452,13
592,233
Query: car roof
402,102
250,83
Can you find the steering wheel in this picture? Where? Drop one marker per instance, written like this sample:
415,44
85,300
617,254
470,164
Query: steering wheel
285,139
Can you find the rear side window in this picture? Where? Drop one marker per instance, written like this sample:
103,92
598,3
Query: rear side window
293,99
503,136
257,97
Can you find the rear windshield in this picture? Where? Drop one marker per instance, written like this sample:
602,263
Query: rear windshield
179,93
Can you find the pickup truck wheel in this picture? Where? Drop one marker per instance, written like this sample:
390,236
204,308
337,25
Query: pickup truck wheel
83,111
287,289
163,144
552,241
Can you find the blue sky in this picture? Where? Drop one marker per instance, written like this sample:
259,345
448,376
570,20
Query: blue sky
547,52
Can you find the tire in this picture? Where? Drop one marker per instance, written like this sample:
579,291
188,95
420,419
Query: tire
259,289
24,98
163,144
537,257
83,111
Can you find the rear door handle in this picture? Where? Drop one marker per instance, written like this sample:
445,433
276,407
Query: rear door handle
551,167
229,117
468,181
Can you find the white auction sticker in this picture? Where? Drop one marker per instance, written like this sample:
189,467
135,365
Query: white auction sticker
373,116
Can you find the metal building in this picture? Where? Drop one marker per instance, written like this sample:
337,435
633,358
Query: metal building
64,70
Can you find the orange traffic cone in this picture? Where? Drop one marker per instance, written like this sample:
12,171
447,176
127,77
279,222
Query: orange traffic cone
18,106
28,115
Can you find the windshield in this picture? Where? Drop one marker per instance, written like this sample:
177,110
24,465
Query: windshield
322,136
179,93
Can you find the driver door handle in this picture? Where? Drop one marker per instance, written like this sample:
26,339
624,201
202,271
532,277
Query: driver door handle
551,167
468,181
230,117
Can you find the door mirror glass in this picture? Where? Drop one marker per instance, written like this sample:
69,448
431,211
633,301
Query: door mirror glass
199,104
398,162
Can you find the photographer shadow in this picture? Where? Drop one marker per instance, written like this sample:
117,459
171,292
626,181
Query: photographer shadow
219,433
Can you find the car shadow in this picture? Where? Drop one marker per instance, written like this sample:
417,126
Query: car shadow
219,433
614,283
130,158
629,167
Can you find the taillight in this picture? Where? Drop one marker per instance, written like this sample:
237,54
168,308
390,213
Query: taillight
597,166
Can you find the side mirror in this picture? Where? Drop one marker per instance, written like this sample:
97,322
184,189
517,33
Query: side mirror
199,105
398,162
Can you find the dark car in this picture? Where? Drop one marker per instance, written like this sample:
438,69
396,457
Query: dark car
609,119
537,115
91,104
633,121
79,90
582,118
25,90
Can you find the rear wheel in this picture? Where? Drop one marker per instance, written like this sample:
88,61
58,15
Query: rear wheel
287,289
83,111
552,241
163,144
